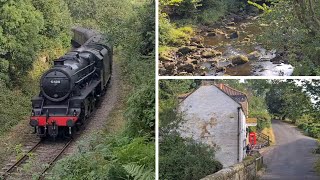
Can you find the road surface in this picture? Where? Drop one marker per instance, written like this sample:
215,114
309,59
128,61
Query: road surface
291,158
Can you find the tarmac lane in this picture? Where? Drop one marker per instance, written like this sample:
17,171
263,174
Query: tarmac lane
292,157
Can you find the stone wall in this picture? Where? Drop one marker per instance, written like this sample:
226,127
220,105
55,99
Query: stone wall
246,170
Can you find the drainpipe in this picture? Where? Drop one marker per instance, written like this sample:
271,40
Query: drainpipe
238,133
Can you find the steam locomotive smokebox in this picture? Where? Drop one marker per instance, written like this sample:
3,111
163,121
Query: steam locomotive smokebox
56,85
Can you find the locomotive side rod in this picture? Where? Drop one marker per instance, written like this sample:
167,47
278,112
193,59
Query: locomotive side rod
42,175
21,160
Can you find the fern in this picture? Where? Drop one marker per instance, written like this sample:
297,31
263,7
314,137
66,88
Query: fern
264,7
139,172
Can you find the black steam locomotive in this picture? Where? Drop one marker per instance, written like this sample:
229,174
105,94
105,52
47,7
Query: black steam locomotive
71,89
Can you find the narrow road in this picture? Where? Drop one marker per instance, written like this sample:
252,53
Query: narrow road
291,158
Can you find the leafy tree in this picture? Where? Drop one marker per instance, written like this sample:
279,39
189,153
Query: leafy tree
259,87
111,17
287,100
29,29
20,39
168,101
57,20
293,29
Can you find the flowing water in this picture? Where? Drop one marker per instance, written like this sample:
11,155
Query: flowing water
244,44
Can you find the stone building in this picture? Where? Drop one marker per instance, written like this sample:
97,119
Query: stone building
216,115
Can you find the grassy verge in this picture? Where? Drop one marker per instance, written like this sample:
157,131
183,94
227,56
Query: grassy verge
12,139
317,166
317,163
269,132
116,120
14,106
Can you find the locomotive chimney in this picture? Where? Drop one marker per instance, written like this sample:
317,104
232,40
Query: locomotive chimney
59,62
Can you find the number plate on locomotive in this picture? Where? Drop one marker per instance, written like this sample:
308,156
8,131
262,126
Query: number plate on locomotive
55,81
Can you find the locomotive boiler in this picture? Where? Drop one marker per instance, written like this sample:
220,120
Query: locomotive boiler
72,88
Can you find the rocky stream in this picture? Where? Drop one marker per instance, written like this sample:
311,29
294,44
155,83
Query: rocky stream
228,48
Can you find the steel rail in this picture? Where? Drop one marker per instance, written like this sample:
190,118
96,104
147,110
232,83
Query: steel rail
26,156
21,160
54,160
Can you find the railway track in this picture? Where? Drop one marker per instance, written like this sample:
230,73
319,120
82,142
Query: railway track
36,161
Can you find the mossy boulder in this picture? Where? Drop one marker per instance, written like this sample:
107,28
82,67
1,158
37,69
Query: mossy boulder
254,55
210,54
165,57
239,59
187,49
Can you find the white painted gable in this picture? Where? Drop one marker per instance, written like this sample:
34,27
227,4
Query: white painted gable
211,116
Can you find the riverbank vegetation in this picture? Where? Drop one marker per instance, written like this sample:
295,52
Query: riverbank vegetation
293,29
178,19
34,32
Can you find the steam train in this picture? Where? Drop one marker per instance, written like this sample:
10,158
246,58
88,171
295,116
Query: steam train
72,88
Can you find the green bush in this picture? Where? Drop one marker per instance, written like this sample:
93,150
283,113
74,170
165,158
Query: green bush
208,17
314,131
180,8
311,128
303,126
181,158
108,158
14,107
264,120
212,10
181,13
171,35
141,112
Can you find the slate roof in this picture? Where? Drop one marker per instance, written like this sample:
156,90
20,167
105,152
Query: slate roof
236,95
